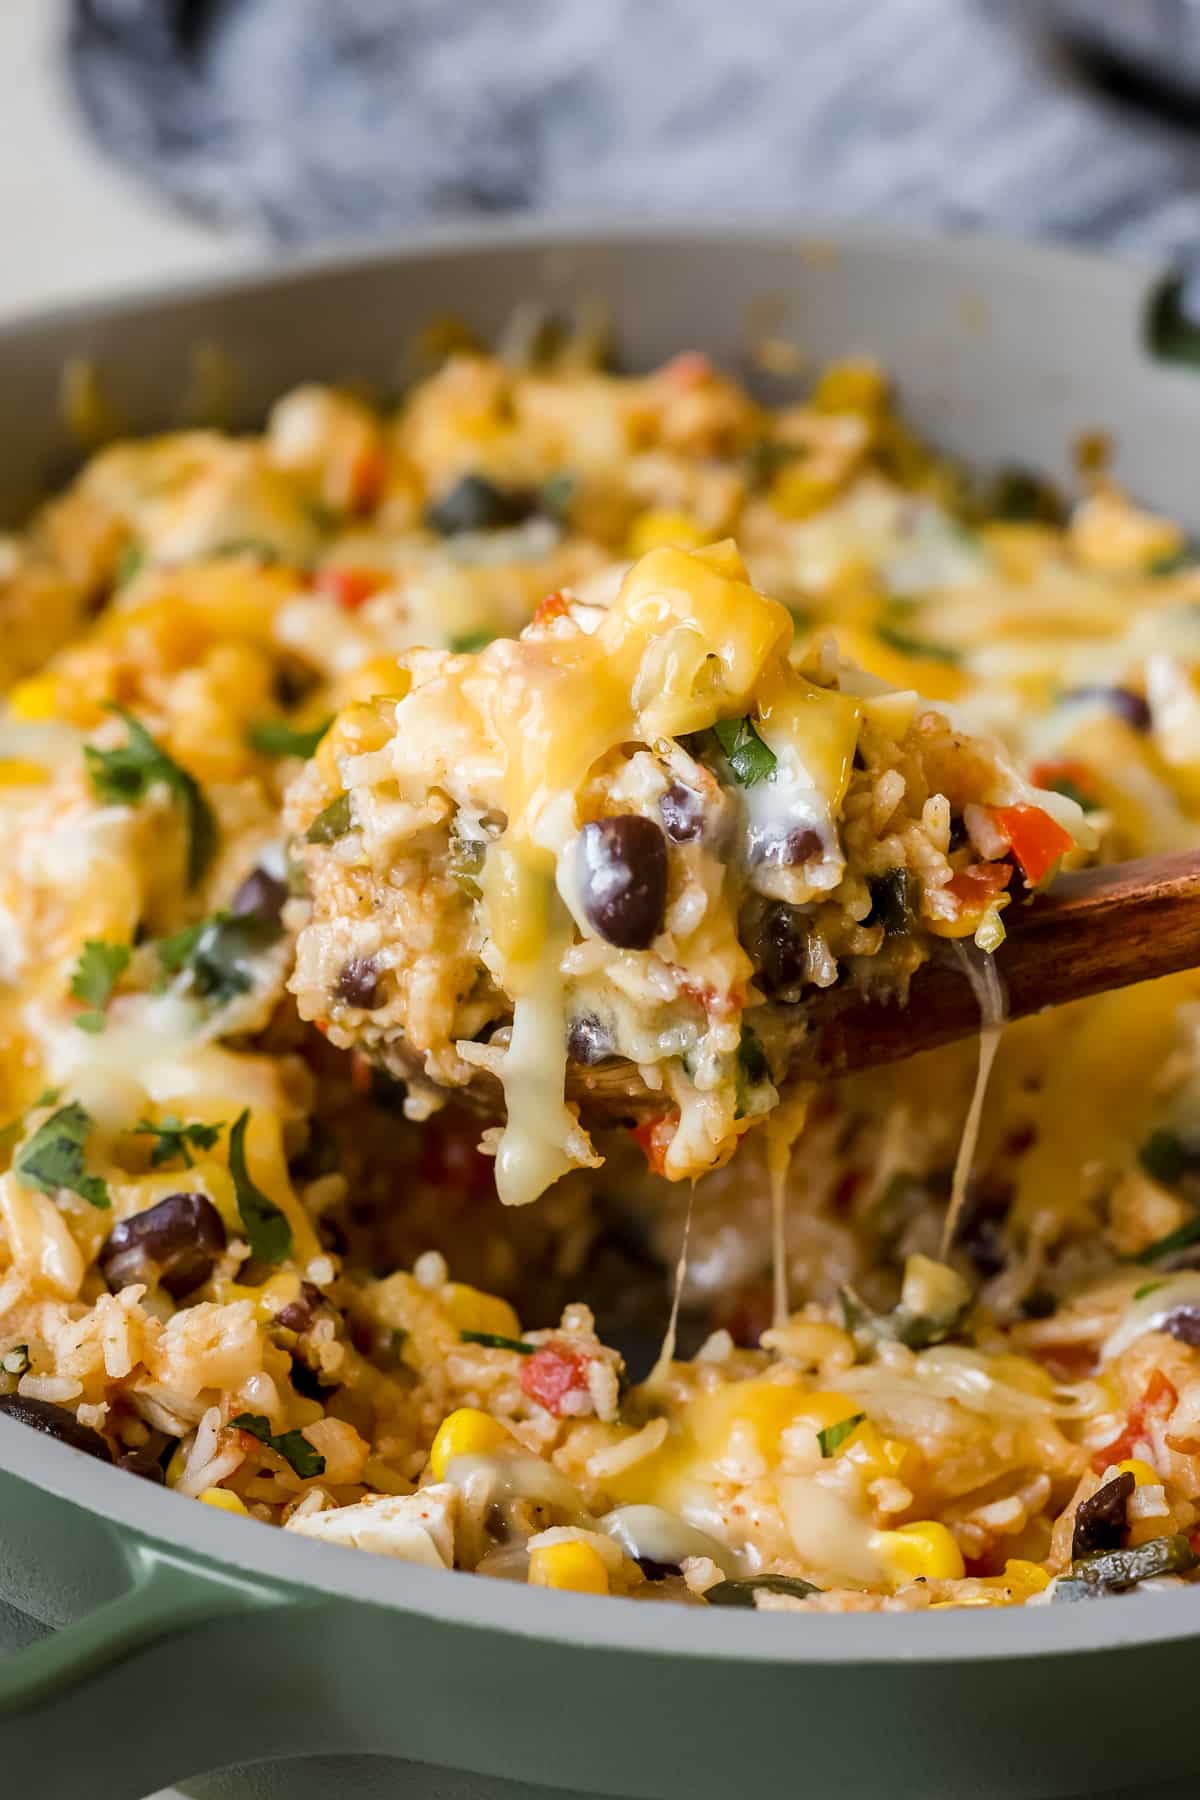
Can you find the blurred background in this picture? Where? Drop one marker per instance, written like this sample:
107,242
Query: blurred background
148,138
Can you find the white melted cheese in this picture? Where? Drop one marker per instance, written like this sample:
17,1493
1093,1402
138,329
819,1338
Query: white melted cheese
980,970
520,727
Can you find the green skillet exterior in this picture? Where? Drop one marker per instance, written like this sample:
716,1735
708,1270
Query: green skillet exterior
190,1640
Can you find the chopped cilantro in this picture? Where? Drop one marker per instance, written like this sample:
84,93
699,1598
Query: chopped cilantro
293,1446
332,822
753,1071
1071,790
126,775
740,1591
53,1157
1180,1239
220,953
556,495
835,1435
493,1340
894,897
1172,561
275,737
749,758
1147,1287
176,1139
267,1230
100,967
908,645
1167,1156
130,563
466,643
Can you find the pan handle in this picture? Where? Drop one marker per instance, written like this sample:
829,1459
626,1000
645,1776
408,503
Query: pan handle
165,1595
165,1652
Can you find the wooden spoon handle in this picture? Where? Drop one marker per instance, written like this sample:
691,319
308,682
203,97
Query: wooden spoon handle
1096,930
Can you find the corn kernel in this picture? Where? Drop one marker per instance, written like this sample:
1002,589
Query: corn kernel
796,492
175,1466
19,771
225,1500
656,528
1024,1577
473,1310
570,1565
1143,1474
466,1432
879,1457
36,698
925,1548
857,385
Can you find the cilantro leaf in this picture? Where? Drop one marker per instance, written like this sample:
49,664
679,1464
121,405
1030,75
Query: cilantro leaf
129,563
293,1446
835,1435
267,1230
466,643
100,967
275,737
53,1157
333,822
493,1340
220,953
125,775
750,759
908,645
176,1139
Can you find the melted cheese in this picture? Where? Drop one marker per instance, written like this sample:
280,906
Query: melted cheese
520,728
981,972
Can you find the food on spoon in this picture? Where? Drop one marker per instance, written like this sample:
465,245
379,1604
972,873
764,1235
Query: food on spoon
640,833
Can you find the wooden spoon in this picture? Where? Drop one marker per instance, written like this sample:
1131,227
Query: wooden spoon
1095,930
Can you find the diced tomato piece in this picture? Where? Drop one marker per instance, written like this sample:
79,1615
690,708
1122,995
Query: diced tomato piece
976,886
552,1373
1065,768
691,368
1158,1402
367,479
1037,840
450,1157
655,1139
348,588
552,607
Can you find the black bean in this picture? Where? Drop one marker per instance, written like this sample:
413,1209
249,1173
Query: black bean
474,504
298,1314
623,879
359,984
960,837
682,810
175,1244
143,1463
1126,704
55,1422
1184,1324
1100,1521
589,1040
655,1571
784,849
783,949
261,896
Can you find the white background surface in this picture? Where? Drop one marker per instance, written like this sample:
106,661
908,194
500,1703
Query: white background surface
74,225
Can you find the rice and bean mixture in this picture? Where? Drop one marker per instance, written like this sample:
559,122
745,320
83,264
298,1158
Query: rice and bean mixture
347,767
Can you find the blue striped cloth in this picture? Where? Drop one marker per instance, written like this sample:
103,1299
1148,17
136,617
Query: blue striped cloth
313,118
